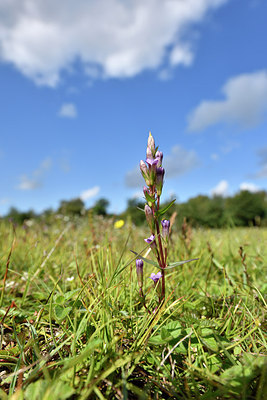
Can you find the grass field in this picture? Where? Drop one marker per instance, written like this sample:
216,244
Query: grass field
73,327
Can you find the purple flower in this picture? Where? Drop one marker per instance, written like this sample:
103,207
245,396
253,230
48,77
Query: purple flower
152,161
139,270
155,277
165,228
159,156
151,240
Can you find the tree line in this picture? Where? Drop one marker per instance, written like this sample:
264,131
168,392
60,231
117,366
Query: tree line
242,209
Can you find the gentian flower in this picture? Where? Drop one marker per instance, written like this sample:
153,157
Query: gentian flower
152,161
155,277
159,156
151,240
165,228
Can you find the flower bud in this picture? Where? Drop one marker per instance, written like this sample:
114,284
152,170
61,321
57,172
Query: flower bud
149,217
150,145
139,270
145,172
145,190
159,179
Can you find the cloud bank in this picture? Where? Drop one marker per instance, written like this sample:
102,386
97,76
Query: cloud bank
244,103
111,39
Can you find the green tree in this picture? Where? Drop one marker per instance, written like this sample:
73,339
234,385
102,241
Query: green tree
133,211
18,217
100,207
71,207
247,208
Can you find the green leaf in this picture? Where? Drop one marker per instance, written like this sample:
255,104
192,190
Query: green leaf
46,390
164,209
61,312
146,260
177,263
149,198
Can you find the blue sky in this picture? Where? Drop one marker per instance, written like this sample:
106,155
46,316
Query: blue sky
82,83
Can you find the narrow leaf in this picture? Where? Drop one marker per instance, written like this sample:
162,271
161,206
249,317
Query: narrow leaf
177,263
164,209
146,260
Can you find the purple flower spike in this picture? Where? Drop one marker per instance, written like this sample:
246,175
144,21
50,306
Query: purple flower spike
155,277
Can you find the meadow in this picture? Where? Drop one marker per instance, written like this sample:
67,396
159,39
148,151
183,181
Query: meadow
73,325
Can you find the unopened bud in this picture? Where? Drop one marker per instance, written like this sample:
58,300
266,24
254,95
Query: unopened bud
150,151
139,270
159,179
145,172
151,142
149,217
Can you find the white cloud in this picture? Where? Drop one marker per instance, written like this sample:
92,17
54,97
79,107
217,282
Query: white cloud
110,38
245,103
27,183
221,189
89,193
68,110
181,54
177,163
250,187
35,181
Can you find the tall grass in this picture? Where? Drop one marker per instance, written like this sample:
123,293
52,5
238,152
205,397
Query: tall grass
72,325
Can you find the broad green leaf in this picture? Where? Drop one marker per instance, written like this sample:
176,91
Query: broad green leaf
61,312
